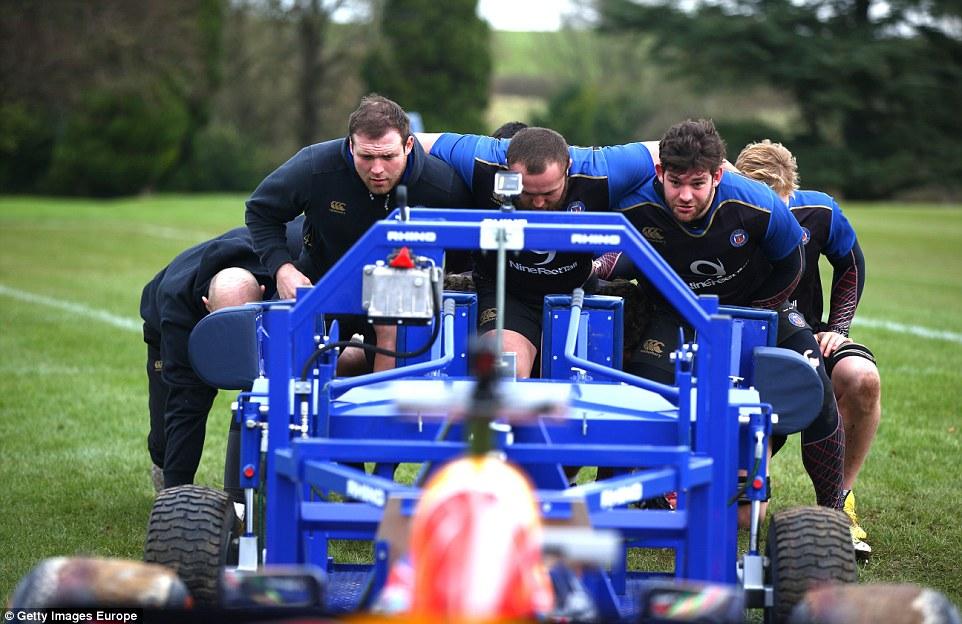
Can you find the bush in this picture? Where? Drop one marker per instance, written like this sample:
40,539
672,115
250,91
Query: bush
117,142
222,160
26,144
586,114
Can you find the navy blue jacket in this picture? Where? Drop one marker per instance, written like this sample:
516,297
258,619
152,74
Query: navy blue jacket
320,181
171,306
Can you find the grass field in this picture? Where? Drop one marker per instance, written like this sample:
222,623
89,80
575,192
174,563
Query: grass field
74,471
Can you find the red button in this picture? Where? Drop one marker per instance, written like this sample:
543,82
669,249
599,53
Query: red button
758,483
403,259
249,471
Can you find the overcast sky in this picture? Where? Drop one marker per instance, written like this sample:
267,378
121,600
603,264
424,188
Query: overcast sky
524,14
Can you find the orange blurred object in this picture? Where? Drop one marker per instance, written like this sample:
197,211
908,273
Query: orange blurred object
475,544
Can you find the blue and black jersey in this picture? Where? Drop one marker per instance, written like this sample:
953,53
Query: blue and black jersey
827,232
743,250
597,177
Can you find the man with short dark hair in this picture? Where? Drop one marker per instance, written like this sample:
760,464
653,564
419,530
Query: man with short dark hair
726,235
508,129
343,187
851,366
218,273
554,177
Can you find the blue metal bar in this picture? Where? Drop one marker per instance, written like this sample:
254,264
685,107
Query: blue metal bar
437,229
280,521
342,385
626,455
353,483
668,392
712,536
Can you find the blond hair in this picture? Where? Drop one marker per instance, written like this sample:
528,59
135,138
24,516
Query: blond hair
770,163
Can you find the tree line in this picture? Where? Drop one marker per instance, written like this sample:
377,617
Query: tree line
110,97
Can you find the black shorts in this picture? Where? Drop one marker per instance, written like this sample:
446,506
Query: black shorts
520,315
790,322
850,349
652,357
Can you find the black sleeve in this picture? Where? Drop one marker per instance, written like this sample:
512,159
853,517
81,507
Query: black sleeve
848,280
282,196
781,281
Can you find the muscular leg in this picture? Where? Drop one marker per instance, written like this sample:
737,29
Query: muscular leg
858,392
386,339
823,441
354,361
524,351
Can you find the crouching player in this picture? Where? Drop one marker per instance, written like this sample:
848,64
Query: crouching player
851,366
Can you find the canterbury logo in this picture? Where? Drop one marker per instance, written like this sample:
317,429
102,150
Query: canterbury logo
488,315
338,207
653,347
158,365
653,234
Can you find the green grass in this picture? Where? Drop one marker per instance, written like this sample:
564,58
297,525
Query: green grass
74,470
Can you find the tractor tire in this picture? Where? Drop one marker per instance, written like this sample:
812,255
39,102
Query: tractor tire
192,530
806,547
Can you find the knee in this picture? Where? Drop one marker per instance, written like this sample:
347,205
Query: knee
859,381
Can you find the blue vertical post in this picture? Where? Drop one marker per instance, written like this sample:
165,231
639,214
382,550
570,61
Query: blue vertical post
282,536
715,533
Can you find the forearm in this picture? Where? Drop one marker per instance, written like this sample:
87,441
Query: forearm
280,198
266,221
848,280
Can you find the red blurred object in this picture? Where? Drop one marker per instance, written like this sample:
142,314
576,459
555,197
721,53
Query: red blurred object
475,546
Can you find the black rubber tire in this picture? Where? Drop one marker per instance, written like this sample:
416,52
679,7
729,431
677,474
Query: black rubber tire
191,530
806,546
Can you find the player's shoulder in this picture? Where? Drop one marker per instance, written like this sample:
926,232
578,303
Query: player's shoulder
610,160
325,157
740,190
815,199
450,146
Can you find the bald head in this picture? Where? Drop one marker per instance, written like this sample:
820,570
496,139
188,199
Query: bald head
232,286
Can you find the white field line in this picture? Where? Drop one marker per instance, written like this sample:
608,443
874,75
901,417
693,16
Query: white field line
78,309
144,229
136,324
914,330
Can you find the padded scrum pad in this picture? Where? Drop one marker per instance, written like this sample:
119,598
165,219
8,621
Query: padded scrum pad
787,381
604,333
223,348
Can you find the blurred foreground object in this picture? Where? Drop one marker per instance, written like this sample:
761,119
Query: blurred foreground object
81,582
874,604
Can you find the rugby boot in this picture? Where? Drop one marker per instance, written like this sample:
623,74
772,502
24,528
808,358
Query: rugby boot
862,549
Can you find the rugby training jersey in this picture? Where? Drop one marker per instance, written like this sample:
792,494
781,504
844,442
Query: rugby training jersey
825,231
730,251
596,178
